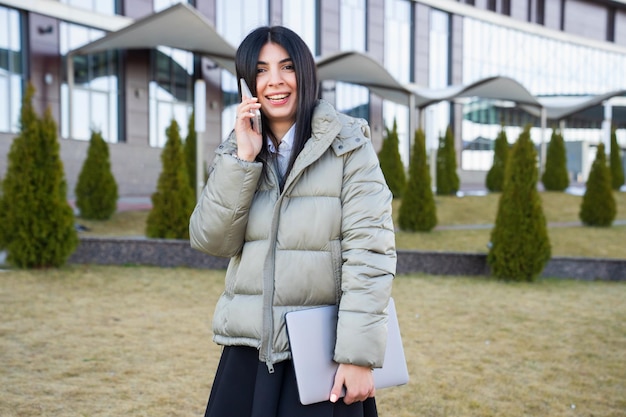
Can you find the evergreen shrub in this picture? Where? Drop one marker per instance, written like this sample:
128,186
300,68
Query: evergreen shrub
555,177
495,176
96,188
447,178
617,170
190,152
417,209
391,162
173,201
598,206
37,221
519,247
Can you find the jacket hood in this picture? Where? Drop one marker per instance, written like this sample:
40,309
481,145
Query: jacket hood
342,132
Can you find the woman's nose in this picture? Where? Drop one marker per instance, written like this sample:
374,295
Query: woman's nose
275,78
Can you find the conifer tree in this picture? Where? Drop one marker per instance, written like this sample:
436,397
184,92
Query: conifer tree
190,152
519,247
447,178
2,215
391,162
37,221
173,201
555,177
417,209
96,188
495,176
598,207
617,169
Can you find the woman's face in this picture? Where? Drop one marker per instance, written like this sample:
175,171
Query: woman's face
276,87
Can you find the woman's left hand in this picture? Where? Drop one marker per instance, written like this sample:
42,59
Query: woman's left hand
358,381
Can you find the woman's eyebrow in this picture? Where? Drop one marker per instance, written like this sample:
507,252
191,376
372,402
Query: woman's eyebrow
282,61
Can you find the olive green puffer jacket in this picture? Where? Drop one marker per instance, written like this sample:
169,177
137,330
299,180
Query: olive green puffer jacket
328,238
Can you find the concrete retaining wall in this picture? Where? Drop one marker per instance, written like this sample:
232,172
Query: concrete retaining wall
174,253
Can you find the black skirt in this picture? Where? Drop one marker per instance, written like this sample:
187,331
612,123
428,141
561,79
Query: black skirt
243,387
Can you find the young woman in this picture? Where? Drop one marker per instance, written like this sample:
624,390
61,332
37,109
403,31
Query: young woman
304,213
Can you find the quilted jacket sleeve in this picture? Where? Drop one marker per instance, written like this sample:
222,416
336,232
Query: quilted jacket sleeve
218,223
369,261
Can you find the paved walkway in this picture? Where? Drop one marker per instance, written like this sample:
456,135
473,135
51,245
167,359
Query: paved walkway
490,226
134,203
128,203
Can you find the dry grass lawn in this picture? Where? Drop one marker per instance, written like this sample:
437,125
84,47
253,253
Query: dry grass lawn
135,341
567,236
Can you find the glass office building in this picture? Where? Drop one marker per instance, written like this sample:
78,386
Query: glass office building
557,50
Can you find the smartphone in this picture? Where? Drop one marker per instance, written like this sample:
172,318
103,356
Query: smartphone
256,120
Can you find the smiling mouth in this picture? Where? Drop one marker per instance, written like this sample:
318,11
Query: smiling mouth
277,97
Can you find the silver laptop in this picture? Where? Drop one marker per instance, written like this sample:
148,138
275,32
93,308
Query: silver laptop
312,339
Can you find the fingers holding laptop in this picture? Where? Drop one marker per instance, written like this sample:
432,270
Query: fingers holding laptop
358,382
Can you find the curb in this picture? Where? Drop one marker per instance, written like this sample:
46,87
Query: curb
178,253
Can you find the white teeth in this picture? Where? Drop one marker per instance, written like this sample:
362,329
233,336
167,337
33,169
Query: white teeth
278,97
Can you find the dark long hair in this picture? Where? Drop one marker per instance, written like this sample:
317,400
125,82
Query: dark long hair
246,60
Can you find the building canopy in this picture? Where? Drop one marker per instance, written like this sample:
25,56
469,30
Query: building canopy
181,26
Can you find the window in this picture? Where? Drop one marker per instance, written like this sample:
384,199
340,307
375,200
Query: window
547,67
397,61
350,98
353,27
541,12
506,7
610,24
171,96
235,19
100,6
95,98
11,70
438,115
301,17
170,89
164,4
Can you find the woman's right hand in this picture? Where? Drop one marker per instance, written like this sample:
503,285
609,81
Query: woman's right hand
249,142
358,382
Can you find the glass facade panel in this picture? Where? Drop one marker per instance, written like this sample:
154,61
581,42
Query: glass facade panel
81,109
235,19
534,60
353,100
99,109
301,17
396,61
95,101
437,116
11,76
350,98
546,67
171,87
16,82
164,4
353,26
165,109
100,6
398,39
171,92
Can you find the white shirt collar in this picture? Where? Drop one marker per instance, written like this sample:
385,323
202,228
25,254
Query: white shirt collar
284,150
286,143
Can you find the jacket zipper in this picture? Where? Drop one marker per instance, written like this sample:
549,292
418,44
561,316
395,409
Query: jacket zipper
268,284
